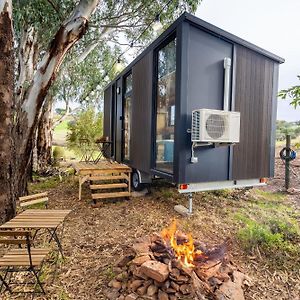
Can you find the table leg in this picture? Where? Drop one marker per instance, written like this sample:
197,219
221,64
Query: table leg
55,237
3,282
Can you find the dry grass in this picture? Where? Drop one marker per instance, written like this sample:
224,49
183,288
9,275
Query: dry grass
95,238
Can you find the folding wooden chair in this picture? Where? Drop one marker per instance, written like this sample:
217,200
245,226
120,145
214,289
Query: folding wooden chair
26,201
26,259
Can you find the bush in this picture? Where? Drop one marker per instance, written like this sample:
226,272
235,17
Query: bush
272,236
87,127
58,153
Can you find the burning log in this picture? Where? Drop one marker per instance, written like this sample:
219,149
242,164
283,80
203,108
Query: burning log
172,266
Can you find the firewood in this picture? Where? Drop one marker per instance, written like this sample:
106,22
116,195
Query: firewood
153,272
185,289
141,290
152,290
175,286
135,284
140,260
162,295
125,260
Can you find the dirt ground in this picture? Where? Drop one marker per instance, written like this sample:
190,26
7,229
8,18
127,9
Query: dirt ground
95,238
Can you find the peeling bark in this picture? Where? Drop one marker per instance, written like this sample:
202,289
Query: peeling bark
44,136
28,55
7,196
34,97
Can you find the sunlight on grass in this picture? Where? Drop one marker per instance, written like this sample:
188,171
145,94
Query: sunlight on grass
45,184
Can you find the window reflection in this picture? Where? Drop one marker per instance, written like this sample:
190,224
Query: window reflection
165,107
127,116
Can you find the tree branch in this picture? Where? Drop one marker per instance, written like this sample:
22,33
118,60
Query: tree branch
54,6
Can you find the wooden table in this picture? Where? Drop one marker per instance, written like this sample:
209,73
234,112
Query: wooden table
37,219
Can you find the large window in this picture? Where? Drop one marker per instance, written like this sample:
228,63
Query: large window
165,107
127,116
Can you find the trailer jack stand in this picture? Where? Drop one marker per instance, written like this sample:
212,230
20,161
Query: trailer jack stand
183,210
190,203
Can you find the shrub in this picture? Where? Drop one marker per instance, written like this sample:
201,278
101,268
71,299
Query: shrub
87,127
273,236
58,153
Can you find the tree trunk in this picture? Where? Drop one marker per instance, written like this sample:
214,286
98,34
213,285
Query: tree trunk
44,137
7,195
34,97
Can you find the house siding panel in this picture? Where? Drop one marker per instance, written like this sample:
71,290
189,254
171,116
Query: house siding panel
254,100
141,126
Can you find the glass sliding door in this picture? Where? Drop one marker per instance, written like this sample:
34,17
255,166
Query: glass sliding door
127,117
165,107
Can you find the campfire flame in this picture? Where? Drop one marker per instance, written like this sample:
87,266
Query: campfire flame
184,250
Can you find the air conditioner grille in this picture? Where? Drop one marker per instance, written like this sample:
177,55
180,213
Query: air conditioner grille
215,126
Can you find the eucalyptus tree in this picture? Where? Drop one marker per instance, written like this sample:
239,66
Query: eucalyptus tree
45,32
7,206
114,26
30,92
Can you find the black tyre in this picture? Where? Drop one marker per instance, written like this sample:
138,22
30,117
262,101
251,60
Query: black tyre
136,182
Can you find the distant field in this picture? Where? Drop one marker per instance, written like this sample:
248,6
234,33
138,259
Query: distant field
282,143
60,133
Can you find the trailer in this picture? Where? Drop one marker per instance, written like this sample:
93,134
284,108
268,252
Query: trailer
197,107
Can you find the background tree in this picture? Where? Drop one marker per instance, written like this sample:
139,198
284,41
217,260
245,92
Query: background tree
45,31
293,93
87,127
114,28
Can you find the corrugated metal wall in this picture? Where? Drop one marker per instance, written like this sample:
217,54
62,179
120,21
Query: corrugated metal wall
140,141
254,98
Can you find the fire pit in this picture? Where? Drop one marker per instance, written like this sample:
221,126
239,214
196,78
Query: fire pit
171,265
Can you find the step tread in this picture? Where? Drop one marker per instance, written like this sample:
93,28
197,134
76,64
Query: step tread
108,186
110,195
111,177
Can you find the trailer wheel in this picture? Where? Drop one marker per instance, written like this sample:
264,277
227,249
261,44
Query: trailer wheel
136,181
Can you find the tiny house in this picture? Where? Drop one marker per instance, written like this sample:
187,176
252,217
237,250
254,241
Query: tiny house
197,107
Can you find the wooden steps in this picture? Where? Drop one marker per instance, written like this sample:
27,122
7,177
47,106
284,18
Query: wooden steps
110,195
108,179
111,177
108,186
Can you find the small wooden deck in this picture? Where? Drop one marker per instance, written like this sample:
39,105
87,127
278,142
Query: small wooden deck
116,176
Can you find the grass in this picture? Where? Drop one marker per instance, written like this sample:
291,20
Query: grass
269,224
293,143
63,126
60,133
41,184
256,221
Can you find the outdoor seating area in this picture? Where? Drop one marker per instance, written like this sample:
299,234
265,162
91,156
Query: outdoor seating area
93,152
28,238
149,150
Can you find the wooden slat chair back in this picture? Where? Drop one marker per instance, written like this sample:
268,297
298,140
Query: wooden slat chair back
20,259
26,201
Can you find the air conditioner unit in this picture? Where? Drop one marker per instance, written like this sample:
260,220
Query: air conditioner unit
215,126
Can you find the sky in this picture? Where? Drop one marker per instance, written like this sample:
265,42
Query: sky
271,24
